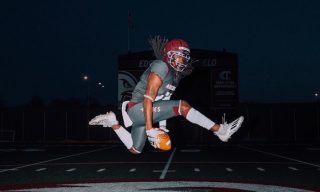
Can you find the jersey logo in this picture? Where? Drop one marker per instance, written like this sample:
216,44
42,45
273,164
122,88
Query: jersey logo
155,109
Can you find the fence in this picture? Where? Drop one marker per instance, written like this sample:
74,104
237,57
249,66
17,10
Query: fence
265,123
53,125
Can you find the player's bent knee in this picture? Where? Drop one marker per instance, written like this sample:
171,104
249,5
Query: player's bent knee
184,108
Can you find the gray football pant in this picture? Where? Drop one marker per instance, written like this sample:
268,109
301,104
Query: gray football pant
162,110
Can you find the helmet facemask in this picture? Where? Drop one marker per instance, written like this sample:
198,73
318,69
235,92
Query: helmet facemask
179,59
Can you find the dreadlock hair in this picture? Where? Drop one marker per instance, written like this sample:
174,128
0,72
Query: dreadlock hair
157,43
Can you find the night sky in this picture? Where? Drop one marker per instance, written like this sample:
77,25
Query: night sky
47,46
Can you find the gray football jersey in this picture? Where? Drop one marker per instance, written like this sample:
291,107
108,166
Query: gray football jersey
169,81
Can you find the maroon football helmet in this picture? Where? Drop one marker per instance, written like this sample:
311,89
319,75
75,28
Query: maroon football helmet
174,49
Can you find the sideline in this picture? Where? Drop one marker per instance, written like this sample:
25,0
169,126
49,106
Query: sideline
281,156
64,157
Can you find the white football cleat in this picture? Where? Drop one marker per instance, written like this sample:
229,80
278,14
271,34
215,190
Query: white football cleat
228,129
106,120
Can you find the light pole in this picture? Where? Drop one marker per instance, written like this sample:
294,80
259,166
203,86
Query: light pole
90,82
86,79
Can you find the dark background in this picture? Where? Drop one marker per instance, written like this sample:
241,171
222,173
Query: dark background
48,46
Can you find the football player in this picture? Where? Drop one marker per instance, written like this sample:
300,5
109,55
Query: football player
150,103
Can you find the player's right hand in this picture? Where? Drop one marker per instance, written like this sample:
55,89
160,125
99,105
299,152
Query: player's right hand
159,139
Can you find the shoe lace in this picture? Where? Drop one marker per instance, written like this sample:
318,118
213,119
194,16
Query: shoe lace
224,126
224,119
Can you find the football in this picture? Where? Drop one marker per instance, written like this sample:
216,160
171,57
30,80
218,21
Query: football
164,141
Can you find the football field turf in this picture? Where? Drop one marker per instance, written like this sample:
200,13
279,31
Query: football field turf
225,167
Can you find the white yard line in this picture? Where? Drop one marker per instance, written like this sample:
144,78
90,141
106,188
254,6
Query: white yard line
160,171
165,170
55,159
157,162
4,170
41,169
101,170
229,169
71,170
281,156
160,162
196,169
293,168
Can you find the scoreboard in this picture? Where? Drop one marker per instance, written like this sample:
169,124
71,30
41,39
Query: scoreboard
212,85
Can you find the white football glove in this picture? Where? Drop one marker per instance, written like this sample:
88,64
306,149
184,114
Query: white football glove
153,136
164,128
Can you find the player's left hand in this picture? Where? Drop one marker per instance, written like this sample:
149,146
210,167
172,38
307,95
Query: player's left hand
153,136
